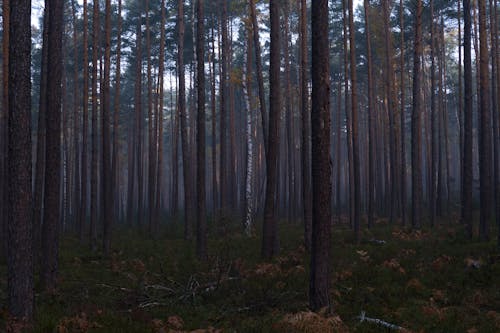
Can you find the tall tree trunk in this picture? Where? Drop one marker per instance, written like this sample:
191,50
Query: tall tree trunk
139,127
94,167
402,114
138,121
467,148
306,128
84,205
433,191
19,230
416,134
371,120
347,109
223,121
188,198
485,151
151,141
40,141
107,195
391,109
270,245
76,124
260,76
50,228
355,140
247,90
116,120
159,119
215,184
201,232
321,170
4,116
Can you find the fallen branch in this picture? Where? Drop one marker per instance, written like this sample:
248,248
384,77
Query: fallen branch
379,322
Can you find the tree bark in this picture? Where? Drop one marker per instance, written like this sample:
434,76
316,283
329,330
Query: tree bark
354,114
19,230
94,162
321,168
40,141
485,151
270,245
306,128
116,120
107,195
201,232
84,205
416,133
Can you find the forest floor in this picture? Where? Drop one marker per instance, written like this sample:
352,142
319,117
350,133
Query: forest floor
423,281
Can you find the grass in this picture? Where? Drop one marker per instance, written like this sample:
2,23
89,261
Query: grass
429,280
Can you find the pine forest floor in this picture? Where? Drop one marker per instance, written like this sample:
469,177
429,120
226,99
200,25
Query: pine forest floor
431,280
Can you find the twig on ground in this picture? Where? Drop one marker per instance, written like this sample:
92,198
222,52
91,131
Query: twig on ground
362,317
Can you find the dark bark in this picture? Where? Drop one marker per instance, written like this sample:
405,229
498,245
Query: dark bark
321,168
354,119
84,205
270,245
51,216
19,230
116,120
306,128
94,162
416,134
138,158
188,181
467,148
260,76
40,141
485,139
371,120
107,194
201,230
402,115
223,113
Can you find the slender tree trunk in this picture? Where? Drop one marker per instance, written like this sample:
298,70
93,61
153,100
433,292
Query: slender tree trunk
348,110
83,215
247,87
116,120
94,167
467,148
215,184
40,141
402,115
188,199
138,121
371,120
321,170
159,116
306,128
416,134
107,194
391,109
223,116
19,229
270,244
201,232
151,141
76,124
485,151
433,191
260,76
4,116
50,228
355,139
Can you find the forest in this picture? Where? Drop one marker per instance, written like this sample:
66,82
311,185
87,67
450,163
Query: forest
250,166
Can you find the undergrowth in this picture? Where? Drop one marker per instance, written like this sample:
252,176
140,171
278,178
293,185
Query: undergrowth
431,280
